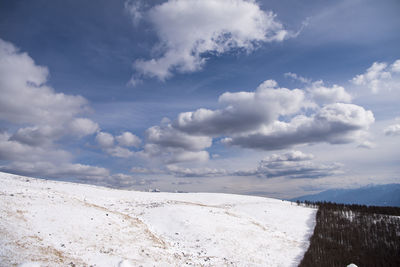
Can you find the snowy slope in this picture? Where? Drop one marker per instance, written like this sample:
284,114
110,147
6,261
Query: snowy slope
62,224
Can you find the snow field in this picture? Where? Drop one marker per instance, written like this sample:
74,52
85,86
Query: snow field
64,224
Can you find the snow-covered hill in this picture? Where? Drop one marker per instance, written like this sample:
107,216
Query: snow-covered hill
66,224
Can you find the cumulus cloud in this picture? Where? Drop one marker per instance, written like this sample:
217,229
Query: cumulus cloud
171,145
326,95
45,160
119,152
392,130
45,116
395,67
334,123
54,170
28,100
320,93
128,139
25,97
189,29
269,118
36,136
167,136
107,142
380,76
187,137
12,150
82,127
47,134
243,111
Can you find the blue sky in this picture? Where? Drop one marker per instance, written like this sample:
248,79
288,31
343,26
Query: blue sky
278,98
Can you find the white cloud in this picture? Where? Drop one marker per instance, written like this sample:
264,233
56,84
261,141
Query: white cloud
27,100
270,118
297,77
65,170
395,67
167,136
128,139
293,155
392,130
45,161
13,150
188,29
335,124
119,152
243,112
172,146
45,116
326,95
48,134
105,140
186,138
25,97
321,93
36,136
380,76
82,127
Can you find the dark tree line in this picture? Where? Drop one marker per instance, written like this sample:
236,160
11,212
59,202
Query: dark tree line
359,234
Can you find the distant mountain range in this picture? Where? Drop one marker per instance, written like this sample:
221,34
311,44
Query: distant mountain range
376,195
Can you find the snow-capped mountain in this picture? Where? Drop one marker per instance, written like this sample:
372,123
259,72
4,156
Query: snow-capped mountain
51,223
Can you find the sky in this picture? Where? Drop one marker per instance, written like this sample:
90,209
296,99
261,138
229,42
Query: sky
271,98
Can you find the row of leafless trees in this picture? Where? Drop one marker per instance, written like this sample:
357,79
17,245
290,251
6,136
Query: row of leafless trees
359,234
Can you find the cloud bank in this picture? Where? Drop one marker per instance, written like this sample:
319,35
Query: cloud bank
291,165
295,165
269,118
